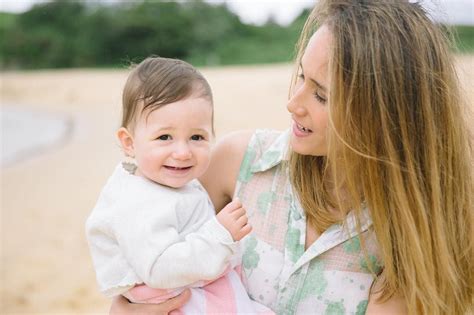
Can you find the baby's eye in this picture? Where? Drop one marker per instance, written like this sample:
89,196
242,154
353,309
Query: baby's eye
164,137
197,137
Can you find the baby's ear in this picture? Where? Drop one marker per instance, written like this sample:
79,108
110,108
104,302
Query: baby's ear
126,141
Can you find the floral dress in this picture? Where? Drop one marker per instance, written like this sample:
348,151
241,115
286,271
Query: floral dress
332,276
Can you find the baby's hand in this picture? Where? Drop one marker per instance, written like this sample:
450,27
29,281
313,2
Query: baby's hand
234,218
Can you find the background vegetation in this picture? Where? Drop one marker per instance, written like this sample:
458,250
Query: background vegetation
65,33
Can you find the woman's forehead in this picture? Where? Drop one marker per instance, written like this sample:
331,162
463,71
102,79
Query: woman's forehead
315,59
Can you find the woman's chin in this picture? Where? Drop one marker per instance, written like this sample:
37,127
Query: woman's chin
306,148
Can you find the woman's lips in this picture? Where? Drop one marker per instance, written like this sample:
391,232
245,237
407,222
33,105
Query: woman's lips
301,131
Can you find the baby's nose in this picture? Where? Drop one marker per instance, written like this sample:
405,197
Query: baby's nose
182,152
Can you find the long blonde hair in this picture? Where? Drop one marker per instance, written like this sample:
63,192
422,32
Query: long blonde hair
399,143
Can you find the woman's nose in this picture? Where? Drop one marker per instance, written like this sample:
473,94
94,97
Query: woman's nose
182,152
295,104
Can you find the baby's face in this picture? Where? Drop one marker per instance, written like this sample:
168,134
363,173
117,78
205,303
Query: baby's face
172,144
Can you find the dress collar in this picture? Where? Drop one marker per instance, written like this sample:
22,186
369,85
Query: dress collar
274,155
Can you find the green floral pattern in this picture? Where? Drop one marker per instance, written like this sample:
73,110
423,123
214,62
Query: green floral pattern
250,257
335,308
293,246
331,276
315,282
362,307
370,265
265,200
352,246
245,174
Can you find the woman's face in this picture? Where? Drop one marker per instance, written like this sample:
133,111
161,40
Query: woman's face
308,104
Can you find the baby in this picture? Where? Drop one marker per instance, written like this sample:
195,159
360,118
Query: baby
153,231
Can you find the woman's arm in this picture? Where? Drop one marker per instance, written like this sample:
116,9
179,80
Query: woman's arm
221,176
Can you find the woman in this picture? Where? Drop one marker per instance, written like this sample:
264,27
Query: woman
365,205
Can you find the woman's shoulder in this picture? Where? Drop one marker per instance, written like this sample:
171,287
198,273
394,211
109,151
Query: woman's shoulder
233,147
229,151
226,159
236,141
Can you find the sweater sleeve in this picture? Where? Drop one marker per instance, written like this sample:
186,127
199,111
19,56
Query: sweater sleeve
150,240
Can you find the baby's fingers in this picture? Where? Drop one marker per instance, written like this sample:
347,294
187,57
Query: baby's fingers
238,213
246,229
242,221
232,206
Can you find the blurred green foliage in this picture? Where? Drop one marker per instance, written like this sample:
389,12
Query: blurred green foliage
464,38
70,33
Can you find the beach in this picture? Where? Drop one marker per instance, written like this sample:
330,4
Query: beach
48,189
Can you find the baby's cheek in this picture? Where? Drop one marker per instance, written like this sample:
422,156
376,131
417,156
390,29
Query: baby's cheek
202,151
150,163
200,170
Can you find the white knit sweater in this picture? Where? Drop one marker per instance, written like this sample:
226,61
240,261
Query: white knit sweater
143,232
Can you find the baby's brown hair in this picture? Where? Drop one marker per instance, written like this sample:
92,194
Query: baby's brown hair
158,81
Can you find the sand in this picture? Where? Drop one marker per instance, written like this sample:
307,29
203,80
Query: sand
47,195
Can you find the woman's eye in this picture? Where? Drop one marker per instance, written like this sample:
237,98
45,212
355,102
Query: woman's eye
164,137
319,98
197,137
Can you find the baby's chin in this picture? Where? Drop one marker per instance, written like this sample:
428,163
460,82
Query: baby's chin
168,180
173,183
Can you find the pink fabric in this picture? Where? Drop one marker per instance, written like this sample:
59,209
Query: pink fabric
220,297
226,295
238,269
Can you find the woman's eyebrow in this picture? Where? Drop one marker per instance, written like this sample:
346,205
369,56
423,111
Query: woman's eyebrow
319,85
